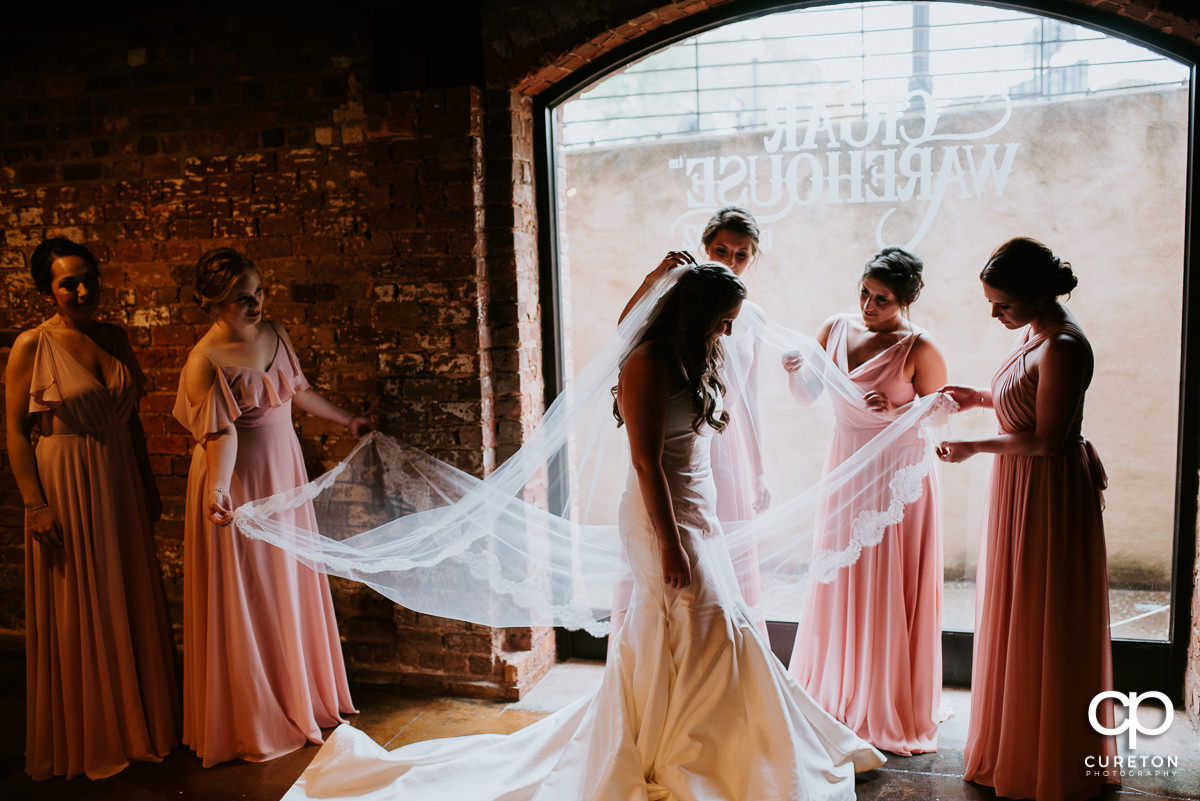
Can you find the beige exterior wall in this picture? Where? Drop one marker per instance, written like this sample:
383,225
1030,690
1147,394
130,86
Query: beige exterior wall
1100,180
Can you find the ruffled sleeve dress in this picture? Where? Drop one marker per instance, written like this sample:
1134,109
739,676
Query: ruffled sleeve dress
100,659
263,669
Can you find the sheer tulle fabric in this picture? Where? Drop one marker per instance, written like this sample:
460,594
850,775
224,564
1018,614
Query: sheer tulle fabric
692,706
536,543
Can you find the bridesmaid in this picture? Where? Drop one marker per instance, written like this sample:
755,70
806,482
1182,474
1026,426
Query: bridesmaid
100,659
1042,647
868,646
263,670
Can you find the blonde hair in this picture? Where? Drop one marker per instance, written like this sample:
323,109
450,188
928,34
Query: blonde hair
217,272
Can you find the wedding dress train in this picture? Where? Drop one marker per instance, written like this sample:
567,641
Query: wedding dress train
692,705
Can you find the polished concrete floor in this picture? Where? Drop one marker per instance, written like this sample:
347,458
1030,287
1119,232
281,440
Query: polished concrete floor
395,717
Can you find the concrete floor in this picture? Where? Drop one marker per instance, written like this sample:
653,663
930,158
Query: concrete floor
394,717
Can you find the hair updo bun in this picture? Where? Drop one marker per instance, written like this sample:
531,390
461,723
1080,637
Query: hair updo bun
734,219
900,270
1027,269
216,274
1064,279
51,250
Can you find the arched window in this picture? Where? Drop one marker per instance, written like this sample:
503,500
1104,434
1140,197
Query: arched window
947,128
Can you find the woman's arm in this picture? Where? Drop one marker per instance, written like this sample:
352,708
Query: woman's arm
929,367
673,259
312,402
39,519
220,447
1061,368
803,382
643,390
967,397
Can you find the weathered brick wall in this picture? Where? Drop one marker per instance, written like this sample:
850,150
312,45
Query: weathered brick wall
395,221
364,208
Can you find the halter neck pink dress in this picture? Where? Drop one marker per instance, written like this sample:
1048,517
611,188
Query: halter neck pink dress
868,646
1042,648
262,670
100,658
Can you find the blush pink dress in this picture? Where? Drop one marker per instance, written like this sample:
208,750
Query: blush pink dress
262,670
100,658
868,646
1042,648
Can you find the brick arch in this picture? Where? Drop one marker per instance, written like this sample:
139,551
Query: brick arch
534,55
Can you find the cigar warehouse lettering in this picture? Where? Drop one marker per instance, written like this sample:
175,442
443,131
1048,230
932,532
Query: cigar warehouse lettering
883,158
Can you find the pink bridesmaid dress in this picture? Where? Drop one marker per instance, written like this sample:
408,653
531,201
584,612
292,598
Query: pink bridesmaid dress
100,659
868,646
263,670
1042,648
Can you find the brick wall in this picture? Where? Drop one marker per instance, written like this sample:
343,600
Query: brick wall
366,210
391,205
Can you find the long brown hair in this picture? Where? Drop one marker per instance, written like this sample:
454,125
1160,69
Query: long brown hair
685,322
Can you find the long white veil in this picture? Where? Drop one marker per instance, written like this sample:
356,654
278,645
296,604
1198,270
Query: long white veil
536,544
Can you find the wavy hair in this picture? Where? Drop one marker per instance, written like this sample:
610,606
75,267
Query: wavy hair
684,321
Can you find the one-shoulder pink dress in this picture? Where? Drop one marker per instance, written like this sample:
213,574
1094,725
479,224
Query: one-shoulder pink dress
262,669
100,659
1042,647
868,646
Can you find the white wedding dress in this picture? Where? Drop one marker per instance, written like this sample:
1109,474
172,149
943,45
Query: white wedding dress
692,706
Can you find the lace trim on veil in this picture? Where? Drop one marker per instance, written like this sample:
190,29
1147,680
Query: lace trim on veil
536,542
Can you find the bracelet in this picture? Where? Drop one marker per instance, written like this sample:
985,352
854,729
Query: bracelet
29,509
981,397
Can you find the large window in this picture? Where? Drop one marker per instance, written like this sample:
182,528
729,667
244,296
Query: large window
944,127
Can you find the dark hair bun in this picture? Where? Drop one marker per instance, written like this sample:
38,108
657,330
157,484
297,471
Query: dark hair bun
900,270
1025,268
1064,279
45,254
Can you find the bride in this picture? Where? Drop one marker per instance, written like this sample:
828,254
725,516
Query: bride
692,705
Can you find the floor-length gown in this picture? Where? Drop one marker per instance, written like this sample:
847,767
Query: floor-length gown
1042,648
868,646
100,658
692,706
263,669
